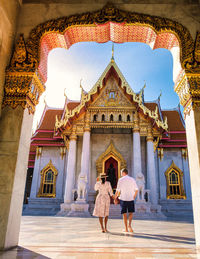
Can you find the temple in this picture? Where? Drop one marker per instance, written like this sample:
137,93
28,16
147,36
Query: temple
110,128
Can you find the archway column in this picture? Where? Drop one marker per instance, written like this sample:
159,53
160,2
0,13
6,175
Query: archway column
22,90
188,90
15,135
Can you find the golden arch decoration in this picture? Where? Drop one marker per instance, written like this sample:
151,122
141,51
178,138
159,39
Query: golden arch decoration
28,64
111,151
110,13
48,181
174,181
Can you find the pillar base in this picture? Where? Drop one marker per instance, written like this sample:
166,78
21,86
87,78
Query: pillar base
146,210
77,209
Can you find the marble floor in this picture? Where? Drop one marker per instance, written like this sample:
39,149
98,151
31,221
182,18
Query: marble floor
77,238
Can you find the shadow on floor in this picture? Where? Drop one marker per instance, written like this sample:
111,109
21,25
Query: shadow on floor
164,238
20,252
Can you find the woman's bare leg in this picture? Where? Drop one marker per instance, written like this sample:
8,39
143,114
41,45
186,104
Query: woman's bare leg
101,223
105,222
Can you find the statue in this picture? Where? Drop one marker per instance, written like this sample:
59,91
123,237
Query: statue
111,176
82,187
141,184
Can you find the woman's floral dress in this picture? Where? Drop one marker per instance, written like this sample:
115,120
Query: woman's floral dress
102,203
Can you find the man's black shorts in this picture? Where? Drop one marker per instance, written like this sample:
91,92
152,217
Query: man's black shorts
127,206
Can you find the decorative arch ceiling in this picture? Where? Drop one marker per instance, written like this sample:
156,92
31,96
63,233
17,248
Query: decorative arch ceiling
109,31
107,24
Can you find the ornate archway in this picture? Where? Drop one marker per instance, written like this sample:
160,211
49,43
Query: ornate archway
26,74
111,151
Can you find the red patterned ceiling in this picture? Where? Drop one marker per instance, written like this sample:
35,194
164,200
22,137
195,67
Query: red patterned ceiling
102,33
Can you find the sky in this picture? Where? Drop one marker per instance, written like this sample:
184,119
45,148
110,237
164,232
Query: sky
86,61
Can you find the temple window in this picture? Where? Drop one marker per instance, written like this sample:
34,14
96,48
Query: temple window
95,117
111,117
128,118
103,117
174,180
48,181
120,117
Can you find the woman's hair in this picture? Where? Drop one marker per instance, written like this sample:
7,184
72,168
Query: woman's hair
103,180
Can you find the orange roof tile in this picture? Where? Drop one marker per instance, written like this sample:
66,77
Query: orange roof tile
49,118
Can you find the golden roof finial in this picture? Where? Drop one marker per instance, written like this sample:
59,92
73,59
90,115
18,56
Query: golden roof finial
45,101
112,58
80,84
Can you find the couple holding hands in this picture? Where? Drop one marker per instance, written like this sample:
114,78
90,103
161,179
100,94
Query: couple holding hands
127,190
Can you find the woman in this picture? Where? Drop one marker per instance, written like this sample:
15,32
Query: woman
102,203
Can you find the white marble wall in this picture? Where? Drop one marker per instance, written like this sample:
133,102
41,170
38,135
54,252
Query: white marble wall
48,153
165,163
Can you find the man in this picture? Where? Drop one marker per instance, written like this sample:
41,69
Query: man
127,190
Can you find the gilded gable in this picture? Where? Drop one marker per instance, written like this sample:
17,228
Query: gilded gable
112,96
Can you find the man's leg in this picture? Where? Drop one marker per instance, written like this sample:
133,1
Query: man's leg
125,221
130,217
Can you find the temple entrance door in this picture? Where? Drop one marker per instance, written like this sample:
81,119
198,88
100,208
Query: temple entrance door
111,169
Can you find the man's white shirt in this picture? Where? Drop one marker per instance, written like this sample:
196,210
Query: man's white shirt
127,187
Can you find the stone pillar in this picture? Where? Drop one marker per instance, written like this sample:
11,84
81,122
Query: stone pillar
85,157
137,158
71,168
15,135
36,174
151,169
192,122
187,88
83,178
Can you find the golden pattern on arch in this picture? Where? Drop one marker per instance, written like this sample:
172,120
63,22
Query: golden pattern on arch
111,151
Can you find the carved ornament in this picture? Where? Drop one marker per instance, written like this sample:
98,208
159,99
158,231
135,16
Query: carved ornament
192,64
155,144
62,152
23,86
184,153
188,90
38,152
160,153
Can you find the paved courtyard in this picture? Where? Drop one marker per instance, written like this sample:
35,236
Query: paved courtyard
59,237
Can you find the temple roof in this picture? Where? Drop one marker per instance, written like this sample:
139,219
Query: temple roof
44,134
173,134
86,98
